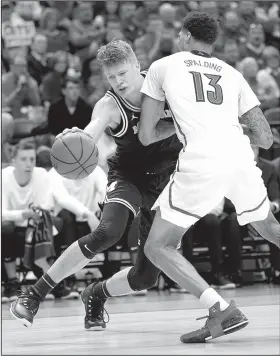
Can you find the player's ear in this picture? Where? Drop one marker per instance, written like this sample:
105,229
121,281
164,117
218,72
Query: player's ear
188,37
138,66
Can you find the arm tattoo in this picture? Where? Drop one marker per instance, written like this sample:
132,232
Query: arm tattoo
259,130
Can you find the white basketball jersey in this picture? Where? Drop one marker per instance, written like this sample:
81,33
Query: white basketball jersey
205,95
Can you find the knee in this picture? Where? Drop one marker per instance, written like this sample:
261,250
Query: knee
140,281
153,250
103,237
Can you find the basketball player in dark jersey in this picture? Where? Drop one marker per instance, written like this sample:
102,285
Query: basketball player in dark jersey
137,175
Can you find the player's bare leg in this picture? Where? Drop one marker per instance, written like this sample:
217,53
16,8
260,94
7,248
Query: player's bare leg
76,256
269,229
161,249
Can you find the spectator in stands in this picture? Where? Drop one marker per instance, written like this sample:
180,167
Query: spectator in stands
143,59
231,27
19,88
51,87
83,31
7,129
111,11
218,228
22,186
261,82
271,56
210,7
130,27
37,58
69,111
57,38
89,192
246,13
272,183
231,54
255,44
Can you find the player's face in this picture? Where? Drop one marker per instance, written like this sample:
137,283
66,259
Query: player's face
122,76
24,161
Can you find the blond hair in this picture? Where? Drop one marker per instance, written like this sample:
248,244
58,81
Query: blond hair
114,52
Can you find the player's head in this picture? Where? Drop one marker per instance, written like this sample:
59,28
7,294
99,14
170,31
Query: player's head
198,28
24,159
120,65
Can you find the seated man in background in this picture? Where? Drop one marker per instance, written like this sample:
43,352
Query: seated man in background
216,229
19,88
272,183
24,184
67,112
21,186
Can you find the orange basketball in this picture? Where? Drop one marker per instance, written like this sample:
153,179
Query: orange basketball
74,155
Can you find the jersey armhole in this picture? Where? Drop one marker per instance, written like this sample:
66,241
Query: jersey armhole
122,127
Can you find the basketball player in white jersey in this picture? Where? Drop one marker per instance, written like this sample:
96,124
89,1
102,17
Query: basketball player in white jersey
206,97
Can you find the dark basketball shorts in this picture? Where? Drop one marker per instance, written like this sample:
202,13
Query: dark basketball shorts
138,195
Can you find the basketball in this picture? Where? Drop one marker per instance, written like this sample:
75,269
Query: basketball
74,155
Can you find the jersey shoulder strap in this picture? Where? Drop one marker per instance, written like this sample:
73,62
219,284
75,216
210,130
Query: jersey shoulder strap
124,124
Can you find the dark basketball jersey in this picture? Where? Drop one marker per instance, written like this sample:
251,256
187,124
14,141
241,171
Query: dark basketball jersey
131,156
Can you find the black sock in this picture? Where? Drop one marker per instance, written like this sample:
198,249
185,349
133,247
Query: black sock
44,285
101,291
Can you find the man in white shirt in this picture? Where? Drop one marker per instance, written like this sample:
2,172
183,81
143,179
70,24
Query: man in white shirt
206,97
24,184
89,192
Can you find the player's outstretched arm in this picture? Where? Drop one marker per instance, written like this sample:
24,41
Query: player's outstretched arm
104,113
257,128
151,128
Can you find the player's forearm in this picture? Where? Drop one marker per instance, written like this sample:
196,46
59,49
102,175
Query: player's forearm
164,130
93,132
160,132
256,127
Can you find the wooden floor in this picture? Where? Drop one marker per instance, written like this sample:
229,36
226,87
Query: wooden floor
146,325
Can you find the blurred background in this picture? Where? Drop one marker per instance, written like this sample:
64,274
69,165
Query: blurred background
51,81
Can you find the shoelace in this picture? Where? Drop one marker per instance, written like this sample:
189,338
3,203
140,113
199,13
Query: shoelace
100,312
29,300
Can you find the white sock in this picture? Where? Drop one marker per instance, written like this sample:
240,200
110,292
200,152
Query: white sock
210,297
118,283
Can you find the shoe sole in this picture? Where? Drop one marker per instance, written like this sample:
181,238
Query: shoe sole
94,327
25,322
232,329
236,323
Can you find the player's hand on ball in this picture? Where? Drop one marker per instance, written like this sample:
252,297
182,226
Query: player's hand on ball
66,131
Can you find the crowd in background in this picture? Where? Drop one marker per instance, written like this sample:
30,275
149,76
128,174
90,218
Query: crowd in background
51,80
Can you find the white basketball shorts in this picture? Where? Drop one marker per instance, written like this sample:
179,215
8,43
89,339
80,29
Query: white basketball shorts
198,185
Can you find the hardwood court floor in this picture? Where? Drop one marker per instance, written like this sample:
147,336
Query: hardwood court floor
146,325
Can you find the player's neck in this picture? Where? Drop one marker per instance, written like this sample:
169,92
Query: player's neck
200,47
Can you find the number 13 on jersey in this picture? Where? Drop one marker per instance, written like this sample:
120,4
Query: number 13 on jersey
214,96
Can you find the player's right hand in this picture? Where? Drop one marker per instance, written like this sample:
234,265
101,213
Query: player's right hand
66,131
